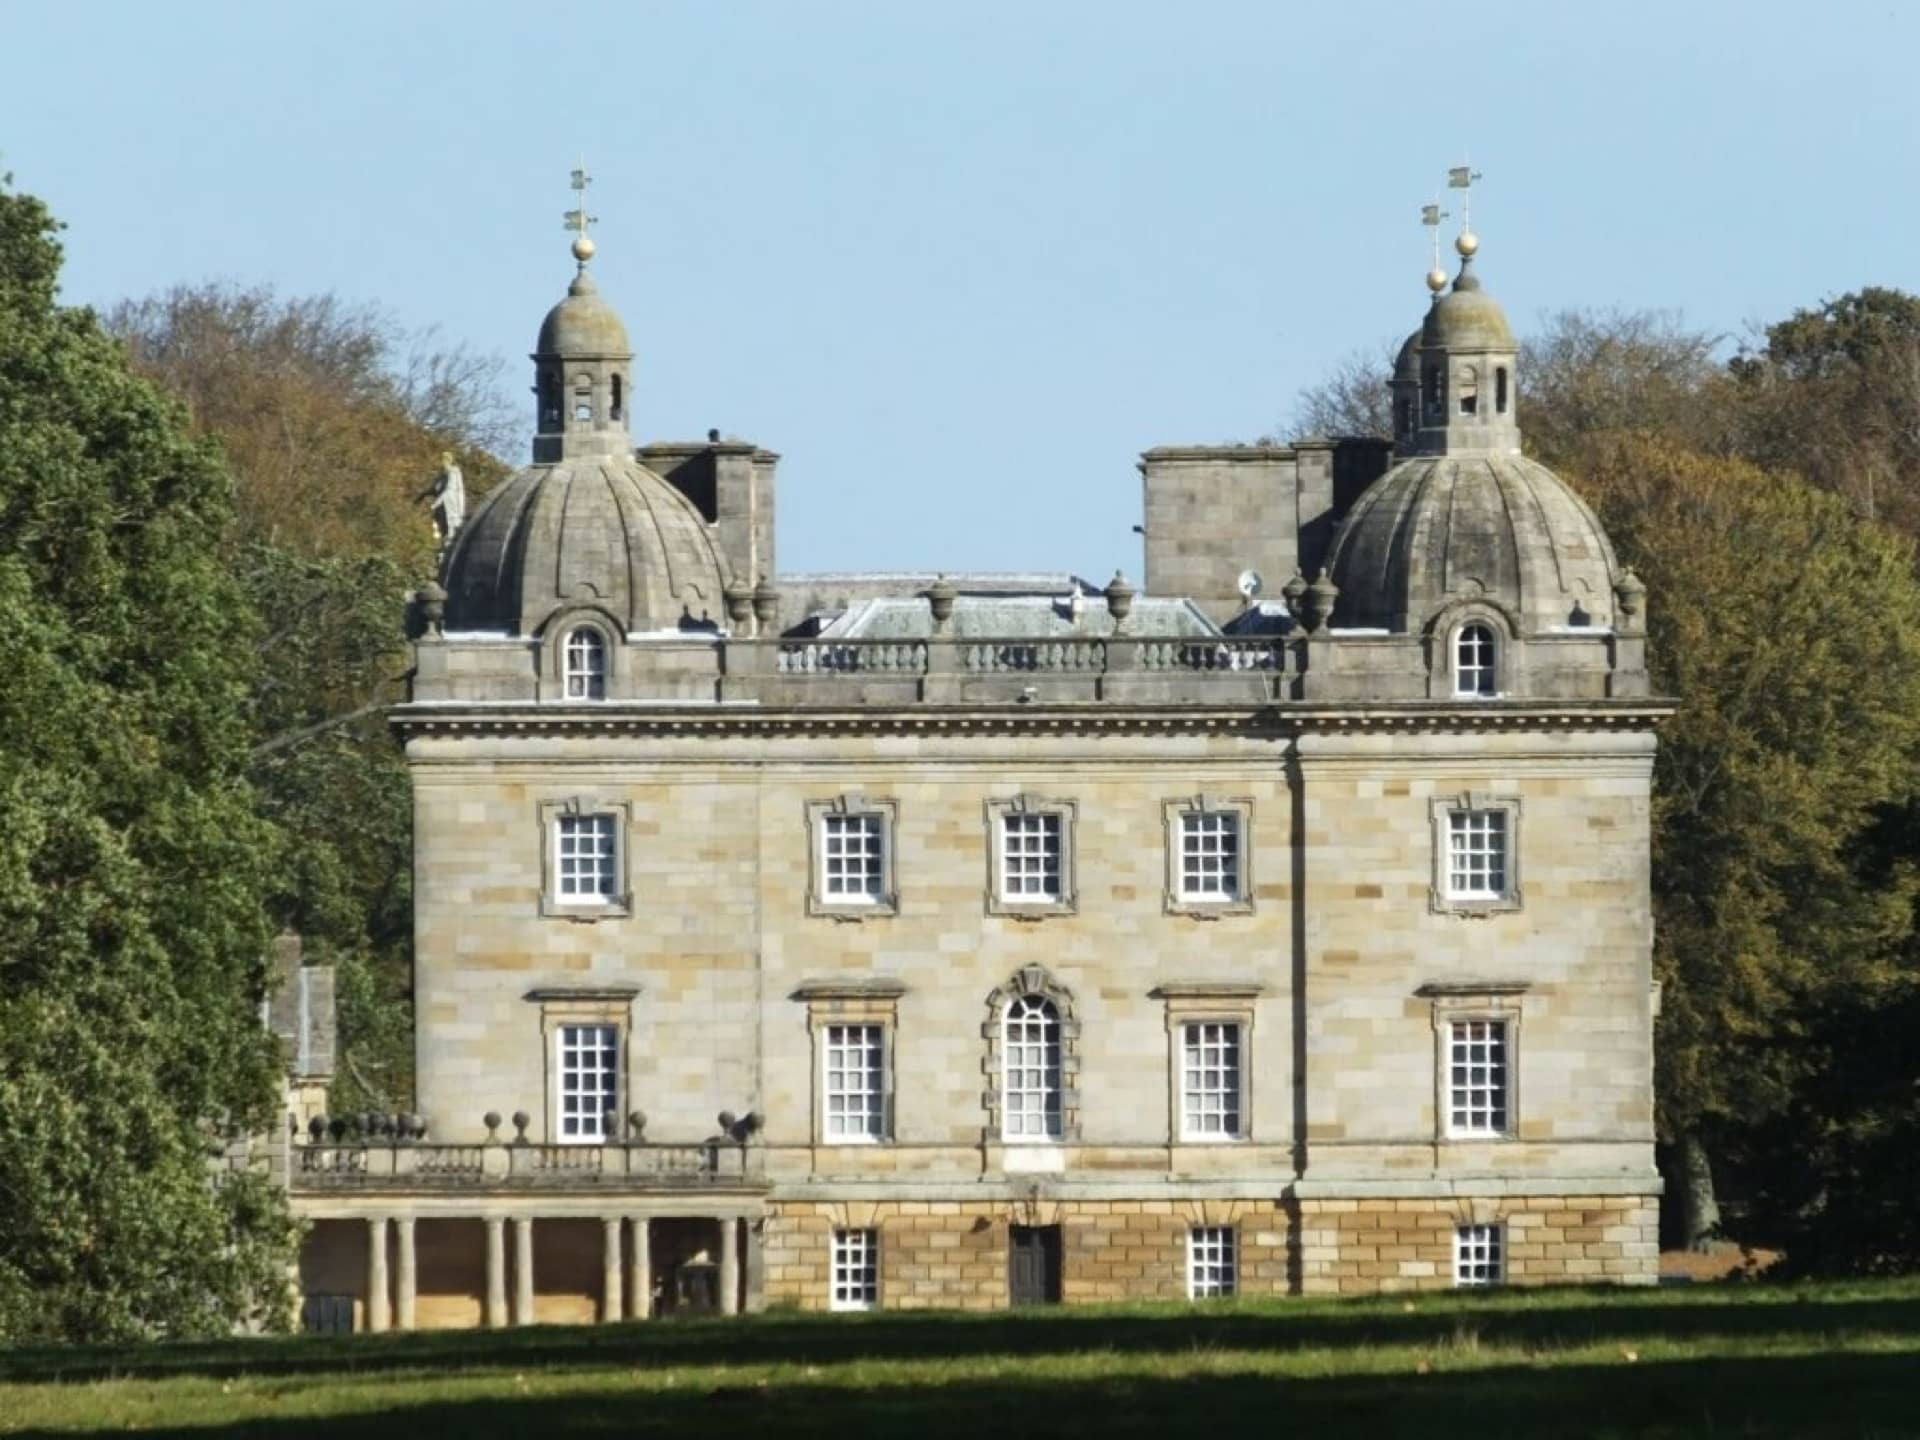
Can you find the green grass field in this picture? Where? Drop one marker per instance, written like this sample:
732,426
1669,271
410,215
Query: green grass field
1732,1360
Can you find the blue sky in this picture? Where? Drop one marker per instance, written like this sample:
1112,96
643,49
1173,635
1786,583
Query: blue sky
960,263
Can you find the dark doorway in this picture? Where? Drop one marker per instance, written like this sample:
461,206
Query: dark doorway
327,1315
1033,1265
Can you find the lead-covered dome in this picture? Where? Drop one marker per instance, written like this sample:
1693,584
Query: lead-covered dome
1500,527
598,530
583,324
1466,317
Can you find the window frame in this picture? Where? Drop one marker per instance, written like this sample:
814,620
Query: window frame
556,629
617,905
1030,981
1052,1090
998,901
1491,1236
885,814
1461,1096
1491,668
1475,1002
1442,897
876,1102
1224,1240
871,1000
563,1009
1175,816
839,1241
611,1048
1237,1090
1204,1002
568,671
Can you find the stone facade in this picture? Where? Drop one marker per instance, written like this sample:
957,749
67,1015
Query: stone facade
1398,1036
1352,1247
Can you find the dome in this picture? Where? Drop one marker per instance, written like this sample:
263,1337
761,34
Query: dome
1467,318
597,530
1499,527
582,324
1406,364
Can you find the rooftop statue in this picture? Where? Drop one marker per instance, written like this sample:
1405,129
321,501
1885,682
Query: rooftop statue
449,496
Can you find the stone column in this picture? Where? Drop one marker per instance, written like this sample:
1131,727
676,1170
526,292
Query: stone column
378,1315
409,1276
496,1272
610,1304
729,1266
640,1269
755,1265
523,1269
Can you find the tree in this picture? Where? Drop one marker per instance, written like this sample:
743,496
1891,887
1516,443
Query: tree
1790,628
134,866
332,420
1834,394
1588,374
1353,400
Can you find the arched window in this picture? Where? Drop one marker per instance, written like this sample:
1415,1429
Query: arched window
549,401
1473,661
585,664
1469,390
1435,386
613,412
1030,1080
1500,389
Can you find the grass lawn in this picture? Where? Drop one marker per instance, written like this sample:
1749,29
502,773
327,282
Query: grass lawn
1734,1360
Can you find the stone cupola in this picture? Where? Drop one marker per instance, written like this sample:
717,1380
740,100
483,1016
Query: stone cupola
586,525
1468,370
1464,516
583,372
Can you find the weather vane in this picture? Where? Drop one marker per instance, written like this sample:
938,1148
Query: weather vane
1431,216
578,220
1461,177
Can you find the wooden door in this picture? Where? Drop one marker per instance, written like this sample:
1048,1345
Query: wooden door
1033,1265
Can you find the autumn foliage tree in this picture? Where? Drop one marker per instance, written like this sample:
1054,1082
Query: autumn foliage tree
1789,627
332,420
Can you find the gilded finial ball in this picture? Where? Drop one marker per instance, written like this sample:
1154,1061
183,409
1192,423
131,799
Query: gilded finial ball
1467,243
583,248
1436,280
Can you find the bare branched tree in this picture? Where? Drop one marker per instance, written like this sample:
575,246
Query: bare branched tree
1352,400
1586,373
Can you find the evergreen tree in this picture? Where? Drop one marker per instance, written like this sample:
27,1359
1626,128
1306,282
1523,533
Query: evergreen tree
133,862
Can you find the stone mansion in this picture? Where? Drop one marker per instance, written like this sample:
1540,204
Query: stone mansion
890,940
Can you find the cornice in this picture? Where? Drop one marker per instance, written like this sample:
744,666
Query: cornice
1260,720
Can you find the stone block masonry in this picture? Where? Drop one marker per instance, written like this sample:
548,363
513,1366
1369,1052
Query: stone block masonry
1359,1247
954,1254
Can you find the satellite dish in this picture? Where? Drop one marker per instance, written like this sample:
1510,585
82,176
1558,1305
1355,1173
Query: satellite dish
1250,585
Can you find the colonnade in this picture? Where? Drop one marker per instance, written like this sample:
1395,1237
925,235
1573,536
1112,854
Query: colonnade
626,1269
